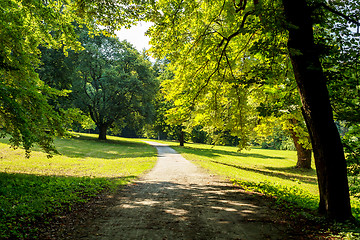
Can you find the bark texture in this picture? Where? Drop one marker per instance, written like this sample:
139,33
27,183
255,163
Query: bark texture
327,147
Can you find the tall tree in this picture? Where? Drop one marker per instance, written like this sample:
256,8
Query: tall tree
114,83
317,111
25,25
211,40
24,112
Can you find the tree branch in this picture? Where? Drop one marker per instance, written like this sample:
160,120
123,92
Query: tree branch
330,9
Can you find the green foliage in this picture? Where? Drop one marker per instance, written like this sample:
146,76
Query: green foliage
341,65
160,127
222,55
75,119
278,140
352,150
28,25
198,135
113,84
25,113
288,197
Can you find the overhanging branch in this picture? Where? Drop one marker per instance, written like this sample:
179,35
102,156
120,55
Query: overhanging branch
349,19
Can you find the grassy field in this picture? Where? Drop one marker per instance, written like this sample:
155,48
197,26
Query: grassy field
37,188
271,172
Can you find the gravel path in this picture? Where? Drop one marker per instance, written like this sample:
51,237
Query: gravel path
177,200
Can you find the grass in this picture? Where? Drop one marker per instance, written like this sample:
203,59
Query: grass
35,189
271,172
255,165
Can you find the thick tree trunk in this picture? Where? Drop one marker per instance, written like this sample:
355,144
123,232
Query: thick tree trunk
327,147
303,154
102,131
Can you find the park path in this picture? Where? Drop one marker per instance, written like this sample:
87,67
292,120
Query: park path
177,200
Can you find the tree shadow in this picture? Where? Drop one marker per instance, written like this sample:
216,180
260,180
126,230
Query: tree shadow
168,210
294,170
284,175
216,152
115,149
73,147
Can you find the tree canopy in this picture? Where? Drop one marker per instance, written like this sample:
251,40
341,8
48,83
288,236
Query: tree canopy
114,84
24,26
246,44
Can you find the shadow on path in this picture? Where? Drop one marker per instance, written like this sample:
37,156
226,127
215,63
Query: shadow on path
166,210
177,200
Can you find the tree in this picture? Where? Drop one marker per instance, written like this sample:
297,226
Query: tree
317,111
280,106
25,114
114,84
211,40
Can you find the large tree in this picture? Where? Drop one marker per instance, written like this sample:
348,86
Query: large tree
114,83
211,40
317,111
25,25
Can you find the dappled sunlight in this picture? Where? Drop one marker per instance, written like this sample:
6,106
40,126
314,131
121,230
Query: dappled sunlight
168,208
177,212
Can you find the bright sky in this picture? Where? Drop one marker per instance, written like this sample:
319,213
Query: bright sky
136,35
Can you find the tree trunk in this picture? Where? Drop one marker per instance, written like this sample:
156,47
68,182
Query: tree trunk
303,154
326,143
181,138
102,131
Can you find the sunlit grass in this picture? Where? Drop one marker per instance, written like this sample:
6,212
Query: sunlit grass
271,172
255,165
38,188
82,155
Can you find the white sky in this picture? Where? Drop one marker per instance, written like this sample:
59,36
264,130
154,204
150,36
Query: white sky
136,35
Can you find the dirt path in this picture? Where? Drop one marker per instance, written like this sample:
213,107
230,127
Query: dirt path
177,200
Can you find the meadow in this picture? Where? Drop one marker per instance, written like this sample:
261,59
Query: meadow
38,188
271,172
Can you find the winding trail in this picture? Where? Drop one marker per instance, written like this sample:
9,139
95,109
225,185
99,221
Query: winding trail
177,200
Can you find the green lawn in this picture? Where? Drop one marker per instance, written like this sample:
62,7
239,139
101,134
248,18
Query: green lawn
271,172
37,188
255,165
